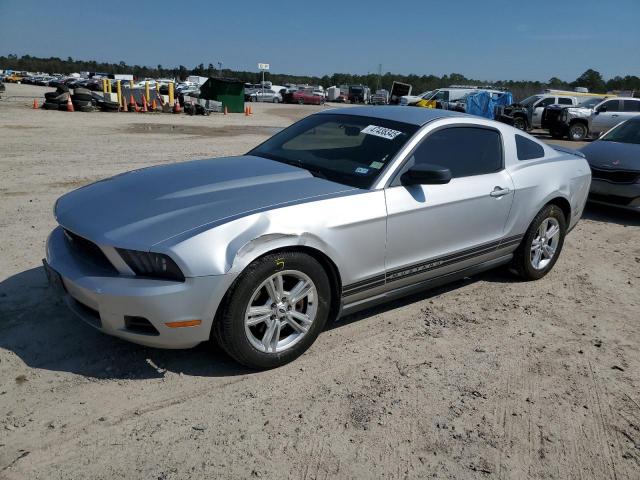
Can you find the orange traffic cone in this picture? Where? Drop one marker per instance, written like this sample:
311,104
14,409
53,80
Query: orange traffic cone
144,104
132,104
250,110
225,110
246,111
176,106
154,105
69,104
35,104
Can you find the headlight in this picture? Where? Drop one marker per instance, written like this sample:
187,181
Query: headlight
150,264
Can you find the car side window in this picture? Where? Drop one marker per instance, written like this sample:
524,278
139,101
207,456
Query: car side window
466,151
528,149
612,105
546,102
565,101
631,106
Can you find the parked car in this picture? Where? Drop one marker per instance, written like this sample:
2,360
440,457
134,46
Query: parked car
381,97
270,96
591,118
615,166
527,114
303,97
344,209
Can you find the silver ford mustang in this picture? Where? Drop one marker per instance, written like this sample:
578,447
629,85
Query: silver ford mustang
341,210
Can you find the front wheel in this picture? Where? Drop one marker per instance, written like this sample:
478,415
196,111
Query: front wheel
520,123
275,310
541,245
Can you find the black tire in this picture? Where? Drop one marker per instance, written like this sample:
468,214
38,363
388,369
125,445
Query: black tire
520,123
85,108
50,106
81,91
80,103
229,329
301,102
109,106
82,97
62,89
578,131
51,95
522,263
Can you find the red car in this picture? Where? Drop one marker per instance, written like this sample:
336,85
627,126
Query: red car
303,97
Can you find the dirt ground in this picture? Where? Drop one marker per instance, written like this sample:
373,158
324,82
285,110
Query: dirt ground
486,378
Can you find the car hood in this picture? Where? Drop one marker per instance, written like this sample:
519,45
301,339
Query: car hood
613,155
144,207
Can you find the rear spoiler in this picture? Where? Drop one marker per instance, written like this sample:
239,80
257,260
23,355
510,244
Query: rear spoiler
572,151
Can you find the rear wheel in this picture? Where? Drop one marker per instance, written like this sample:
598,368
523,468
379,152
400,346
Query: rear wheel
274,311
541,245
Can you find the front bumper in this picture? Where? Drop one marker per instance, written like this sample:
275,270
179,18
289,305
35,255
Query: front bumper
105,300
617,194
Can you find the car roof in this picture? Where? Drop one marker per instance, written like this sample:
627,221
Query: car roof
412,115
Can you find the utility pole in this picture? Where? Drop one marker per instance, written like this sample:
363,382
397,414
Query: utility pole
220,69
379,76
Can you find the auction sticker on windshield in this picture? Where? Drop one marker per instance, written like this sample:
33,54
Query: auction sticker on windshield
382,132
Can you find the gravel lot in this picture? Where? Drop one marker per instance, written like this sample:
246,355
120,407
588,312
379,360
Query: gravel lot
486,378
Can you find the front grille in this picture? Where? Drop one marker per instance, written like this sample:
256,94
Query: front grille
613,199
615,176
88,251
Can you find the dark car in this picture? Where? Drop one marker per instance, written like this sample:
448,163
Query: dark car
615,166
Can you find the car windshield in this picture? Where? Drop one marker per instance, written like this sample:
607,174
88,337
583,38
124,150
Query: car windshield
530,100
627,132
348,149
590,103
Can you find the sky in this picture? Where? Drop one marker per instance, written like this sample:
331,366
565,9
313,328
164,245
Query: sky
487,40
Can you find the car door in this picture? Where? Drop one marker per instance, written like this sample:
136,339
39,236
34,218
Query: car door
536,118
436,229
605,116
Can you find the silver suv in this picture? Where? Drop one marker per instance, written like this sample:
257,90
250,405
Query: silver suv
596,116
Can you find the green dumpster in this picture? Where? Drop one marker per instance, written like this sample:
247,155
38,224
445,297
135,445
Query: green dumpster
229,91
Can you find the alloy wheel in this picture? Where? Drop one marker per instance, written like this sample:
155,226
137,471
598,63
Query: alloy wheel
281,311
545,243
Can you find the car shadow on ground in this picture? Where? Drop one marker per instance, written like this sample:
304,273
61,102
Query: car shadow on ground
607,214
39,329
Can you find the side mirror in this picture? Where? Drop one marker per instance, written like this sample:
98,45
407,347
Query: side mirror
426,174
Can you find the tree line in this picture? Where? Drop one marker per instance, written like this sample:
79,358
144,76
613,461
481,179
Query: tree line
590,79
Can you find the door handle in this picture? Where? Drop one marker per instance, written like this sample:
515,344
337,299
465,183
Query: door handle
614,115
499,192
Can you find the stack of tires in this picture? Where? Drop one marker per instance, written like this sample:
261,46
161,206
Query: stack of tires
56,100
82,100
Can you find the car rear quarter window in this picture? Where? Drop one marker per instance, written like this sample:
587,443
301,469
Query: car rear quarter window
565,101
528,149
631,106
466,151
